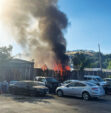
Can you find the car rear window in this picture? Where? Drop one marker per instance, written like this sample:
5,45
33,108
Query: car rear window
90,84
51,80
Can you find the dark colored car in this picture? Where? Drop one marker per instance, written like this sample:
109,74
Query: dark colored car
0,87
28,88
107,88
107,79
49,82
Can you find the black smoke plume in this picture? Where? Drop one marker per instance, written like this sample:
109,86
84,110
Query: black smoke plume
39,26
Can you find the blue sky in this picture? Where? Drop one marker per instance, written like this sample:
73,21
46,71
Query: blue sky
90,24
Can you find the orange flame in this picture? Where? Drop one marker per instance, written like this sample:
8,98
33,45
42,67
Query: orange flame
60,68
44,67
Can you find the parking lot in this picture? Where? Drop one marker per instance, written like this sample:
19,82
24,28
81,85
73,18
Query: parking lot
53,104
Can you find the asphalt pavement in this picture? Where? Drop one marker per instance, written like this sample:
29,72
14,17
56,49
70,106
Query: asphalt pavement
101,105
53,104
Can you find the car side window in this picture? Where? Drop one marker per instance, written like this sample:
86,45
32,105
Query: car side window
71,85
89,78
43,80
95,79
85,78
40,79
66,82
20,84
77,84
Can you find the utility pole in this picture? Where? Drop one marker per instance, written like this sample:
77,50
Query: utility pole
100,60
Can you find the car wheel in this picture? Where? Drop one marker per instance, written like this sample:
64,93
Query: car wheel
60,93
86,96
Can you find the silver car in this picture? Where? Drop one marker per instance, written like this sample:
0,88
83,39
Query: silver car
83,89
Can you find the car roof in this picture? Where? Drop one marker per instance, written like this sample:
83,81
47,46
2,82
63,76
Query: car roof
26,81
84,82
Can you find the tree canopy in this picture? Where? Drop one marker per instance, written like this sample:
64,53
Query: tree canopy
109,65
5,54
80,61
93,58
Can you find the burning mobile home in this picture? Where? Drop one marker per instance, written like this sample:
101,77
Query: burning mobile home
59,72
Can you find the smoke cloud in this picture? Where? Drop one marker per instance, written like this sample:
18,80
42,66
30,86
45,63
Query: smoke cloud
39,26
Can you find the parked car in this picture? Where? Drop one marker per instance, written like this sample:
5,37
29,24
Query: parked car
107,87
49,82
83,89
95,79
67,82
28,88
0,87
107,79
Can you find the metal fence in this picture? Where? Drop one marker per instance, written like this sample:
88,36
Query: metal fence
75,74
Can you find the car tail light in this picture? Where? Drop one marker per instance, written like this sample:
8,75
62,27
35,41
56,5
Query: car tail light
95,89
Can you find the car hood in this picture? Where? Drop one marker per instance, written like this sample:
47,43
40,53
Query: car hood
60,87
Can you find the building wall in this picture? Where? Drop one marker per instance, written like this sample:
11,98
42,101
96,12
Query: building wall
17,70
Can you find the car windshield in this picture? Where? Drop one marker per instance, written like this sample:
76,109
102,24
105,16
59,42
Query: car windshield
51,79
65,82
13,82
99,79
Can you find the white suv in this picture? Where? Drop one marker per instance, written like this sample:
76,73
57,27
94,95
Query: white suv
95,79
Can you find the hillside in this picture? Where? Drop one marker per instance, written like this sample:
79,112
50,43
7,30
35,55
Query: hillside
94,57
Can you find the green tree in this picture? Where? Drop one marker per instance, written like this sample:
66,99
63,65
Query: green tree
5,54
80,61
109,65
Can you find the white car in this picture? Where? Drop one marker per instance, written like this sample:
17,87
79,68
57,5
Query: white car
81,89
95,79
107,79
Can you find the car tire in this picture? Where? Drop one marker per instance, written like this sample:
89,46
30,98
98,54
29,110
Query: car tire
85,96
60,93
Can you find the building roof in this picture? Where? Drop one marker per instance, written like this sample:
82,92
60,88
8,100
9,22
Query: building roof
20,61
